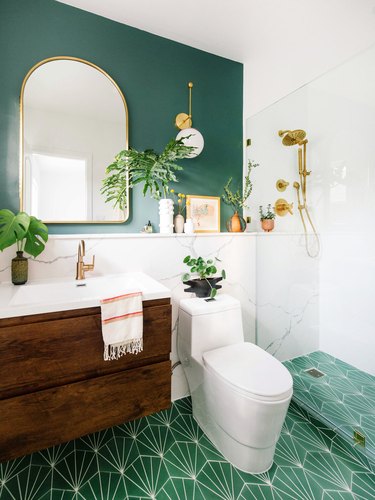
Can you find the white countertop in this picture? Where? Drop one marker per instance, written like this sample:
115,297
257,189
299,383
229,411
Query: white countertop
45,296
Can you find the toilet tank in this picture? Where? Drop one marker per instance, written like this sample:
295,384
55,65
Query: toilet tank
204,325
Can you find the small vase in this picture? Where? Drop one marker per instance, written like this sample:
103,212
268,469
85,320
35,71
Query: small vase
179,223
189,226
166,216
267,225
236,223
19,269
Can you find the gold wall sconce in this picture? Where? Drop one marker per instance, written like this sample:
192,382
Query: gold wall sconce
190,136
281,185
282,207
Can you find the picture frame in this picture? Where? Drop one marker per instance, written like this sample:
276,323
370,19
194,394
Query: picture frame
204,212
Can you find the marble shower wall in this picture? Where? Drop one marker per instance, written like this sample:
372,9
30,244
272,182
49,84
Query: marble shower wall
287,299
160,257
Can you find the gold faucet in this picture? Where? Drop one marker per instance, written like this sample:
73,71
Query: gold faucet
81,266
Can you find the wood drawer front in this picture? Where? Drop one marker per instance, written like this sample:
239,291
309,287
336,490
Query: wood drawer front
36,421
46,354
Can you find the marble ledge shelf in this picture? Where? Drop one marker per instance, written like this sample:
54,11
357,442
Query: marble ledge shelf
174,235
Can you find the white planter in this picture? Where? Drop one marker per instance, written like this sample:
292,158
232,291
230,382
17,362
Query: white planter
166,216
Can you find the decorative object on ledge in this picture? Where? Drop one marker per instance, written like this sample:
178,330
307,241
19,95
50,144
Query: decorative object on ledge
181,203
29,234
166,216
267,218
281,185
206,285
204,212
190,136
282,207
237,200
189,226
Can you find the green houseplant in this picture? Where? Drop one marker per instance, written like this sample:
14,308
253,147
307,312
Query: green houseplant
267,218
28,233
205,285
155,171
237,199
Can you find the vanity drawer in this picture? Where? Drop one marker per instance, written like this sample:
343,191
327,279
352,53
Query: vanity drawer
43,351
36,421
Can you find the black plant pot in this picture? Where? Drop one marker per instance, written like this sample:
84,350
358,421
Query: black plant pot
202,288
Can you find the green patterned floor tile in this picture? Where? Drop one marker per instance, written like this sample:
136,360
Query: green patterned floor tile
344,398
146,477
167,457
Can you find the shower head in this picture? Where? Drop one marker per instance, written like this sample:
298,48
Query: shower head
292,137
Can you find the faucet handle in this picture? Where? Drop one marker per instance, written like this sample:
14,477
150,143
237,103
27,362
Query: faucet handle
90,267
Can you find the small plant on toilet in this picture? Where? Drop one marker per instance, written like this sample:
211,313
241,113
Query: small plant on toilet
205,285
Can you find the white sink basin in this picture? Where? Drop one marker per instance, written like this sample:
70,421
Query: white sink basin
57,295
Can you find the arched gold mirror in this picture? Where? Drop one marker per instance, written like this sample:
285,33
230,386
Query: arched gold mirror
74,120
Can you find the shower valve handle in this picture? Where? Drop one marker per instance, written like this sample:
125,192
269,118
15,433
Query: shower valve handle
282,207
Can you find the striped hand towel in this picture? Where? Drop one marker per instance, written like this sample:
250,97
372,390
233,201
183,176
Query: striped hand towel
122,325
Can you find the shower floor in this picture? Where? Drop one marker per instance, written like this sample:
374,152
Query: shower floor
343,398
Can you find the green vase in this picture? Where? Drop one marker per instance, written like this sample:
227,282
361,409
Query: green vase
19,269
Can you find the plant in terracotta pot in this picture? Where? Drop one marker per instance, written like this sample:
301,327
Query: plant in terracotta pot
237,200
155,171
267,218
205,285
30,236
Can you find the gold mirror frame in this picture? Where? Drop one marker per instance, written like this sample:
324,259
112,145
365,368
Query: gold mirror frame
22,162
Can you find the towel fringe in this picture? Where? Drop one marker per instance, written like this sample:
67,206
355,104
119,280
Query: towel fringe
115,351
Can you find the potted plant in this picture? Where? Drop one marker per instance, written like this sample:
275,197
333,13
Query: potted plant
267,218
29,234
155,171
237,200
205,285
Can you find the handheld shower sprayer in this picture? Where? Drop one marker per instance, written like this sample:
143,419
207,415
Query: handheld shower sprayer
292,138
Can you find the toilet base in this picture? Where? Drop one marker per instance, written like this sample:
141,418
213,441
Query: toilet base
244,458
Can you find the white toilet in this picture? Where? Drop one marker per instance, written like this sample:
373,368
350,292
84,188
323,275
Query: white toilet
240,393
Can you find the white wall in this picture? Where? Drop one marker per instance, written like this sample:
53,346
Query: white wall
338,113
296,41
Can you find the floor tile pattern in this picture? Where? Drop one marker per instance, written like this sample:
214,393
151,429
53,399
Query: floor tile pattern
166,456
344,397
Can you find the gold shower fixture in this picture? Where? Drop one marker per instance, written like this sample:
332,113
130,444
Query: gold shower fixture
282,207
281,185
293,138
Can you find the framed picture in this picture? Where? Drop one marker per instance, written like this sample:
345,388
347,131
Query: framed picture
205,213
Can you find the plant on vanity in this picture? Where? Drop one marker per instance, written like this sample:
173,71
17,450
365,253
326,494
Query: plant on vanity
206,285
267,218
237,200
155,171
29,234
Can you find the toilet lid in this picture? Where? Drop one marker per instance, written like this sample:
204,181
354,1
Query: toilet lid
251,369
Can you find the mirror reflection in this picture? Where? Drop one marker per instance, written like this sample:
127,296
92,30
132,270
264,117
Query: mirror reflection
73,123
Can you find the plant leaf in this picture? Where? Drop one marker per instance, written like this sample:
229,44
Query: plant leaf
36,237
213,293
13,227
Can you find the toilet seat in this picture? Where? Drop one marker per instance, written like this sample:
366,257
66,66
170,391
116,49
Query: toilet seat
250,370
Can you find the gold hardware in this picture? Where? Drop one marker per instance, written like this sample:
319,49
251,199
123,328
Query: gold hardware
248,143
281,185
22,124
81,266
359,438
282,207
291,138
184,120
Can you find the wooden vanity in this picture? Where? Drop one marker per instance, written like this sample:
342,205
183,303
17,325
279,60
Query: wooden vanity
55,385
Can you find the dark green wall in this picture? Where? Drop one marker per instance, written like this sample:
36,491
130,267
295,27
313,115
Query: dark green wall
151,71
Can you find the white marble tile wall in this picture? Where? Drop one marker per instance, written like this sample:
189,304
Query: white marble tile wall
287,296
161,257
338,112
